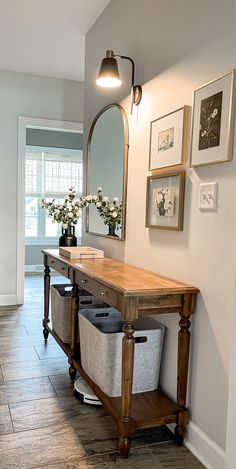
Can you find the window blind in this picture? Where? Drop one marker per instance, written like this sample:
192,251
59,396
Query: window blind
51,175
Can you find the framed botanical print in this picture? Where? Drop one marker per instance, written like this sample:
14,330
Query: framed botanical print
168,139
213,121
165,200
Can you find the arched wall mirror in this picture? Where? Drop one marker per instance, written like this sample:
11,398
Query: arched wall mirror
107,162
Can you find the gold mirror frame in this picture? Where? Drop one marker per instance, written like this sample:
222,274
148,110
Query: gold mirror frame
125,169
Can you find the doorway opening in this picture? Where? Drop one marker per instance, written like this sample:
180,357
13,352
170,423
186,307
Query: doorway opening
50,161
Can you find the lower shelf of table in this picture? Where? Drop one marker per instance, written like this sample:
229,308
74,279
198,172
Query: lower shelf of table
149,409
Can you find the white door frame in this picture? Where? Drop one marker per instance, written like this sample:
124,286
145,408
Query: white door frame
23,124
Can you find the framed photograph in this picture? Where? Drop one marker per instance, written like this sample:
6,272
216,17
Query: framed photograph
168,139
213,121
165,201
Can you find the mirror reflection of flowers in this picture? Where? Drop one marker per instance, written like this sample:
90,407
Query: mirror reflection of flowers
110,210
66,212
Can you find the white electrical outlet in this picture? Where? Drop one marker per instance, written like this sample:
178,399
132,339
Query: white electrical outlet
208,196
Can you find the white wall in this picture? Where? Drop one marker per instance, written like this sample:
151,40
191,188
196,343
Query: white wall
31,96
177,47
230,441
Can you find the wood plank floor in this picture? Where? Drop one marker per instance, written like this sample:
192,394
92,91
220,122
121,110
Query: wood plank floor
42,424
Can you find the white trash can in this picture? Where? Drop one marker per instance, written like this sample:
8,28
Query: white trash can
61,308
101,350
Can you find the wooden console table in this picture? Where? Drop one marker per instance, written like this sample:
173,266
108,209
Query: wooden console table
133,292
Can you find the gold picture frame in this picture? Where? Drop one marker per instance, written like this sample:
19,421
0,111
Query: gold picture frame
168,140
213,121
165,200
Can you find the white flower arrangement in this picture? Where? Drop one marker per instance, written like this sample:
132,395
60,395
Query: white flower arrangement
66,213
109,210
70,210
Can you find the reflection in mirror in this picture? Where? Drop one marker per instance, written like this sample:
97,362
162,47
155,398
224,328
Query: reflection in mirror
107,167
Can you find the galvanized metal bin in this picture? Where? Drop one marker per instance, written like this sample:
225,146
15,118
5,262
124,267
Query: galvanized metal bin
101,346
61,307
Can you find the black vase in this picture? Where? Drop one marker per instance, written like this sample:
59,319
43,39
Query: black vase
68,237
112,231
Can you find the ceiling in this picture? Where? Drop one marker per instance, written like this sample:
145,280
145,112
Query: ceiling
46,37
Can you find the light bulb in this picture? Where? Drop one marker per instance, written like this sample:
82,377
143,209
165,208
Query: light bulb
108,82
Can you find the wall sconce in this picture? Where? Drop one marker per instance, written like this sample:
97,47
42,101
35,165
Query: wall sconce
109,76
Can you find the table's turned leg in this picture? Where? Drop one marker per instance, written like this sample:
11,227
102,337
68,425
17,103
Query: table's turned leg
74,329
126,387
183,359
46,299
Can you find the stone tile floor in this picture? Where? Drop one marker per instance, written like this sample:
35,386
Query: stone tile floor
42,424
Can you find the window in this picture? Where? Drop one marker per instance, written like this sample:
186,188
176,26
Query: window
48,174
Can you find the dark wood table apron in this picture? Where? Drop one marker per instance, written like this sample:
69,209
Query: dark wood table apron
133,292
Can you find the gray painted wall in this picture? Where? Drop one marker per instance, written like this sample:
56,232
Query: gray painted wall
54,139
33,254
30,96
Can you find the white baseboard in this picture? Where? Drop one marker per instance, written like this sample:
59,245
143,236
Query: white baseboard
34,268
8,300
204,448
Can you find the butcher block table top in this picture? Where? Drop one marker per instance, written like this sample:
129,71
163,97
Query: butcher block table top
123,277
